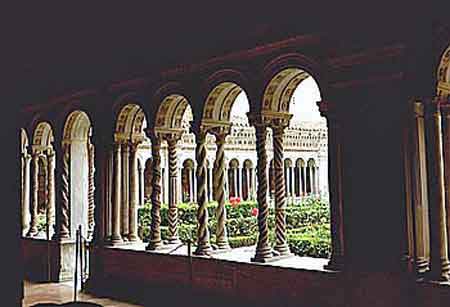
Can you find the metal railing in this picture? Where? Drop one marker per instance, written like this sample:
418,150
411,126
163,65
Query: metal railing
81,268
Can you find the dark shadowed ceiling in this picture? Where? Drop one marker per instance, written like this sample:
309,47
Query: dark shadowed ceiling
55,49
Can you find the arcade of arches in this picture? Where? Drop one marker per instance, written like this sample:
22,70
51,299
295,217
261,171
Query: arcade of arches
182,144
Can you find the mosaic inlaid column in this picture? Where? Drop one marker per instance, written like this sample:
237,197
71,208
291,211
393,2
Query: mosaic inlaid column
125,191
219,192
173,189
134,195
116,237
91,190
335,178
155,227
26,158
32,231
439,262
263,251
203,245
64,225
51,192
281,245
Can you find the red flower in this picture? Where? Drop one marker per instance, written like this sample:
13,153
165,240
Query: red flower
255,212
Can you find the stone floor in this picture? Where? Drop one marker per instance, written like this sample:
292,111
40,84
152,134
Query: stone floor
242,254
38,293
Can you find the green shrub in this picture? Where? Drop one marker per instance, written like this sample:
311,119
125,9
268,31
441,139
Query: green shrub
308,225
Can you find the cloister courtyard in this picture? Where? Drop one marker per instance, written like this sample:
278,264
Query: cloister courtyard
230,160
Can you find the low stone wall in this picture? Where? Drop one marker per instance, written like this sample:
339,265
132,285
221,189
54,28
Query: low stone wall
48,260
147,278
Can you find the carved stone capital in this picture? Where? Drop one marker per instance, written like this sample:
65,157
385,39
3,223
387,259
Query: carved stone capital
418,109
445,109
220,132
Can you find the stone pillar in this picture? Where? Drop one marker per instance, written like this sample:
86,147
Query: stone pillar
91,190
142,184
445,110
63,232
219,191
155,234
281,245
317,181
335,182
125,191
134,195
191,185
51,192
419,190
263,251
116,237
203,245
173,189
227,185
26,158
32,231
439,262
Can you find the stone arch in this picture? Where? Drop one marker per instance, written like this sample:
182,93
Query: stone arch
311,162
287,162
130,123
43,136
76,136
219,102
300,162
171,112
443,75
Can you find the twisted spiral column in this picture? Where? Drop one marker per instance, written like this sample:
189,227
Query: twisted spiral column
281,245
134,194
155,227
32,231
51,191
64,228
203,246
219,193
263,250
173,190
439,262
91,190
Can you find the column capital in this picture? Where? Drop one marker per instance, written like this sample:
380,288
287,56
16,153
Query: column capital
220,132
172,138
433,106
418,109
445,108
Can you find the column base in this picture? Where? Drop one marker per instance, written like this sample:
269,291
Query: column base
155,245
437,279
173,241
336,263
422,266
115,241
31,233
263,255
134,239
223,245
203,250
282,250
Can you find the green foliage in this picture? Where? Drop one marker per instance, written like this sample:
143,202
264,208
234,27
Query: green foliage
308,225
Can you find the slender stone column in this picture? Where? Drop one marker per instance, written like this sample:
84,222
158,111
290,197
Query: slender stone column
134,195
116,237
439,262
64,223
191,185
445,110
125,191
419,190
317,181
281,245
155,235
32,231
173,188
263,250
203,245
219,192
335,178
26,158
91,190
142,184
303,180
51,192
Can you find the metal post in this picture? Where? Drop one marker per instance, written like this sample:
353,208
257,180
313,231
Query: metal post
76,267
81,258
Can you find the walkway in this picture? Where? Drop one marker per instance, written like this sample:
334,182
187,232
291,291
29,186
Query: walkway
58,293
